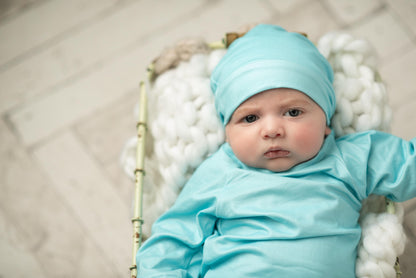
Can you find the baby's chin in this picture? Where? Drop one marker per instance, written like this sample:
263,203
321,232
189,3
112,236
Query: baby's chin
279,169
277,166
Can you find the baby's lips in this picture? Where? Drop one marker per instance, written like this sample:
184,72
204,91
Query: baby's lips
276,153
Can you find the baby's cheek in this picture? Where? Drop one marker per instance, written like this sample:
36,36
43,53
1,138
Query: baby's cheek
242,150
309,140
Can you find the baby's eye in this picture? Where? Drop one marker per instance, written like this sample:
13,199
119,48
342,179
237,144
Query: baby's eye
293,113
250,118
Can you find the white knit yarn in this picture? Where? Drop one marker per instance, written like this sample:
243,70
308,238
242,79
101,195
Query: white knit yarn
362,105
184,130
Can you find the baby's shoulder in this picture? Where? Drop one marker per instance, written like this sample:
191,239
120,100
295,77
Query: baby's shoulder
368,144
364,138
220,161
213,171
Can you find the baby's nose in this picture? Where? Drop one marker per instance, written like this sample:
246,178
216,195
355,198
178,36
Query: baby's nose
273,130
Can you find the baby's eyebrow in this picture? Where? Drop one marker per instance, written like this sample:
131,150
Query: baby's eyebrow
245,109
296,102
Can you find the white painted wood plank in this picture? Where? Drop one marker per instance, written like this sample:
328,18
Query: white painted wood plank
105,135
86,189
123,183
350,11
44,224
16,261
397,73
406,10
45,116
95,130
312,12
385,33
79,52
284,6
404,124
10,8
44,22
221,17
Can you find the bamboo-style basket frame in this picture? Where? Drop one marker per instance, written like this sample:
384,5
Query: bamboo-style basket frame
139,175
139,172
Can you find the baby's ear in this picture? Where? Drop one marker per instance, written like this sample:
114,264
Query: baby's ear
327,130
226,134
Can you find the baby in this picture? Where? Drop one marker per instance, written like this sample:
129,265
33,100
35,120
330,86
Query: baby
282,196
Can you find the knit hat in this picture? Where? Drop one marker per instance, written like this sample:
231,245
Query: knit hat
269,57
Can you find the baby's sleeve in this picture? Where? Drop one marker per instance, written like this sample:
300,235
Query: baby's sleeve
391,166
175,246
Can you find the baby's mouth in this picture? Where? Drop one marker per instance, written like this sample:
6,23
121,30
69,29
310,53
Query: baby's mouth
276,153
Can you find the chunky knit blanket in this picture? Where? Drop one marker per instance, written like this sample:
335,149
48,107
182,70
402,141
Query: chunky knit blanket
184,130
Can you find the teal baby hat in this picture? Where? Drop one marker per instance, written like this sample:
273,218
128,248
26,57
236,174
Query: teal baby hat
269,57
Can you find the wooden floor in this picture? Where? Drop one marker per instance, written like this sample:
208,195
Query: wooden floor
69,72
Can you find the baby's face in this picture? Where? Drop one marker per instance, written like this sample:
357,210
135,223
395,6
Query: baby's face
277,129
